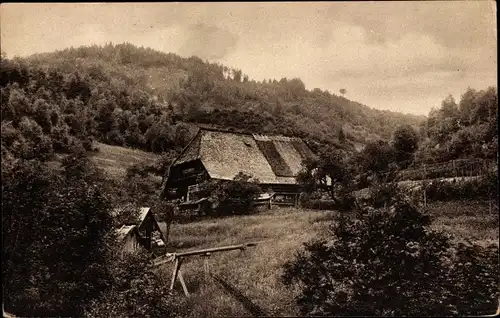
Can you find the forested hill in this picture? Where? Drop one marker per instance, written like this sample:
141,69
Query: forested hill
142,98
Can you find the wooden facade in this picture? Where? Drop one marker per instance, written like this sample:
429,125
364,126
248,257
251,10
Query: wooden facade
182,176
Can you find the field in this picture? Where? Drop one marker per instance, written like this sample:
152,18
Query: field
467,220
250,279
248,282
115,160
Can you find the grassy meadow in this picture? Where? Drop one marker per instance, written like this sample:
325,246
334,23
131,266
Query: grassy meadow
246,283
476,221
115,160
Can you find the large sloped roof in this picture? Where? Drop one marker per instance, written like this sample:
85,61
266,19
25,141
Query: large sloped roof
270,159
191,152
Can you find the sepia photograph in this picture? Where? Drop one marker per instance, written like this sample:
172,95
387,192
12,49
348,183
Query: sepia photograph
250,159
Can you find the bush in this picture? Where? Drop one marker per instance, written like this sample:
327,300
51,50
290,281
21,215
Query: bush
235,197
383,194
55,236
345,201
485,187
137,291
140,185
126,214
229,197
474,275
387,262
318,204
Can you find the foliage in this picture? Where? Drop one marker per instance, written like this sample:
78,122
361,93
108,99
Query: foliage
126,214
317,204
466,130
140,185
328,172
376,157
137,291
474,273
405,143
387,262
230,197
237,196
383,194
55,225
138,97
484,187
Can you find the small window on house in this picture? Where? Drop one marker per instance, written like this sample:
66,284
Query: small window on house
188,170
247,144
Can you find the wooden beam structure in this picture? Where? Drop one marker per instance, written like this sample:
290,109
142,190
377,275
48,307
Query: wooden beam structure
178,258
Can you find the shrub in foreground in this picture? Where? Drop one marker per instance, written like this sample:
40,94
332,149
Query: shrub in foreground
386,262
137,291
55,227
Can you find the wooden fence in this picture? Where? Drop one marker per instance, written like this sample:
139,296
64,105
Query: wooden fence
450,169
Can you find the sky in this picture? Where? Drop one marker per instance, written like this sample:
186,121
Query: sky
399,56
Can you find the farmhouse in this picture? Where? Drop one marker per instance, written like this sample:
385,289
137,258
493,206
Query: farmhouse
146,233
274,161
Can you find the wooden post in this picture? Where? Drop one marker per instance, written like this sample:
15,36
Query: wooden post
177,266
205,267
184,287
169,222
178,274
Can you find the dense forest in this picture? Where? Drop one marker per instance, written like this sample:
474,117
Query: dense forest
139,97
468,129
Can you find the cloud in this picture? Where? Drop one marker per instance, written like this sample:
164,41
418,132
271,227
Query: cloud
454,24
207,41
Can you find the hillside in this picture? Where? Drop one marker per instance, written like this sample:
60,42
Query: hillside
210,93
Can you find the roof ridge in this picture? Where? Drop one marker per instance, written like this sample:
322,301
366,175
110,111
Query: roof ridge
261,137
186,147
223,130
269,137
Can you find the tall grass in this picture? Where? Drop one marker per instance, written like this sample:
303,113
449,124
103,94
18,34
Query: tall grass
246,283
467,220
243,283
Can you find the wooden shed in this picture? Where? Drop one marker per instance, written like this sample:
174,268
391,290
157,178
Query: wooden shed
142,234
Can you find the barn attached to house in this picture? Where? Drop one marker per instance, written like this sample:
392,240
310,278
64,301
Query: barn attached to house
274,161
145,233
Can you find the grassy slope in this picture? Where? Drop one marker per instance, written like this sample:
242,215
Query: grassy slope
254,275
254,272
115,160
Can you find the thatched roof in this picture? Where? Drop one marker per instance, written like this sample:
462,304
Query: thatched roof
143,212
270,159
124,231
